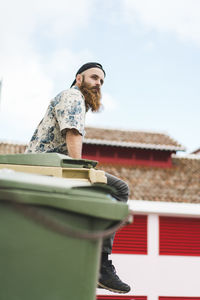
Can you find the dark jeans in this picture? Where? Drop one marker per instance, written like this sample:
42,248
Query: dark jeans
121,194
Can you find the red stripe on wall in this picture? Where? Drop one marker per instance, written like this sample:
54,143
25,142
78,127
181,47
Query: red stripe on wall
179,236
132,239
179,298
104,297
117,155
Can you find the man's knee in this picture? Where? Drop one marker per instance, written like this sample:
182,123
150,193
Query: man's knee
122,189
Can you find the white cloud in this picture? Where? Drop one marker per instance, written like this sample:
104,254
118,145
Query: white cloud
25,92
53,18
65,63
109,103
110,106
181,17
149,46
30,76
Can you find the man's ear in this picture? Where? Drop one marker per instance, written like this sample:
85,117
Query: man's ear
79,79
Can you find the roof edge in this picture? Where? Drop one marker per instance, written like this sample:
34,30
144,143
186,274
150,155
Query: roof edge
187,156
134,145
9,142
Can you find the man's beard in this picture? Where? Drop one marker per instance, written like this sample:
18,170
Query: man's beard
92,96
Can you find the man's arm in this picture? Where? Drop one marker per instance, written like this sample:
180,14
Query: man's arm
74,143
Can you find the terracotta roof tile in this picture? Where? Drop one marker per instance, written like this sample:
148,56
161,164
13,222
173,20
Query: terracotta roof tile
138,138
10,148
181,183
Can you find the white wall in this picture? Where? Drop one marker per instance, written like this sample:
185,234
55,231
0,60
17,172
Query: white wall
156,275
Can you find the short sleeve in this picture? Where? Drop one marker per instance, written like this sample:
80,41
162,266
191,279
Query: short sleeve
70,110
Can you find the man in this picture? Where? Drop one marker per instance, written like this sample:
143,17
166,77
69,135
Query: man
62,130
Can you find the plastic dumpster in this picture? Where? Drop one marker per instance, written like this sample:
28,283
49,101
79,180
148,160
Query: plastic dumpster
51,231
53,164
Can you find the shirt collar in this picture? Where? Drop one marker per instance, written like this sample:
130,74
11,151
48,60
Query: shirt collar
75,87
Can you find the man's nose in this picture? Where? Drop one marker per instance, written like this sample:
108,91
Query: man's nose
98,82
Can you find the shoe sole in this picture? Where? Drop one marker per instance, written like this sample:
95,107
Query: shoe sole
100,285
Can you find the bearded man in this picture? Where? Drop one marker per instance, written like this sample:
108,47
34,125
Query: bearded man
62,130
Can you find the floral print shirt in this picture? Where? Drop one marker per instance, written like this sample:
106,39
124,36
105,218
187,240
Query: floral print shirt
67,110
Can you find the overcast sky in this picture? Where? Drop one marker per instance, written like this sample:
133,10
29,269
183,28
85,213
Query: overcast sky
150,50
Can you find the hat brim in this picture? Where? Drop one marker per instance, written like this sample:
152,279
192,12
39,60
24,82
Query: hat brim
73,83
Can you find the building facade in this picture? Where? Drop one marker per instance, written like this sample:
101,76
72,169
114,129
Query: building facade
159,253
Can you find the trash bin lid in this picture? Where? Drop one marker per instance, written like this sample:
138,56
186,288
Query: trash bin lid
46,159
62,193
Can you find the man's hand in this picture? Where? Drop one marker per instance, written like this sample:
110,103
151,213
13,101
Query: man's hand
74,143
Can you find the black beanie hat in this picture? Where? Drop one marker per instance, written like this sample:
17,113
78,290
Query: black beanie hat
88,66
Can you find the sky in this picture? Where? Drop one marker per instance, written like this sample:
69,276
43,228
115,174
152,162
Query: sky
150,50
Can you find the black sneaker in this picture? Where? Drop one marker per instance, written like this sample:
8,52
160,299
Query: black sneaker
109,280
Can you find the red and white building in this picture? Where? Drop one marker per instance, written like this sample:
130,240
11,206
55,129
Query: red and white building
159,253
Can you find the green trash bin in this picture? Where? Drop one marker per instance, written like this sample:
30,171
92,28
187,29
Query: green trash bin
51,232
53,164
